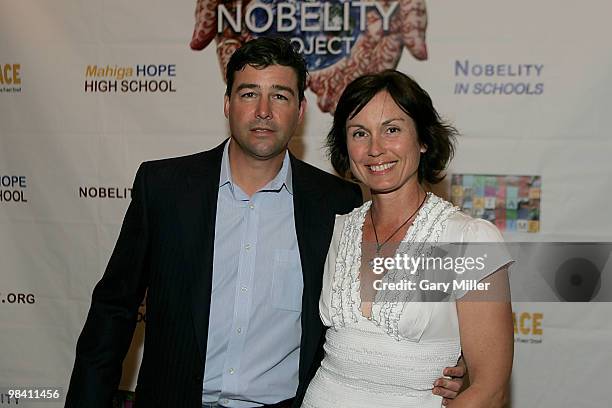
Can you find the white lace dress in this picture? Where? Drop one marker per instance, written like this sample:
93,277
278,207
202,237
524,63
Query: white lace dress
393,358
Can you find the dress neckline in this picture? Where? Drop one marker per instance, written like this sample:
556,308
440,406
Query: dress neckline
408,237
387,310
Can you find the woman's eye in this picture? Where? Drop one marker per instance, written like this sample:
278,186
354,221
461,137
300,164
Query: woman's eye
359,133
393,130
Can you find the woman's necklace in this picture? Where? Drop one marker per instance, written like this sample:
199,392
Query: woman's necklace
378,244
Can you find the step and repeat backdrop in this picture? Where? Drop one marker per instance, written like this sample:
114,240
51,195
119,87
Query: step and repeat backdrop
89,90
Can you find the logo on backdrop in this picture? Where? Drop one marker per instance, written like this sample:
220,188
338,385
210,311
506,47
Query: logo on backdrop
10,78
13,188
492,78
340,40
528,327
131,79
17,298
105,192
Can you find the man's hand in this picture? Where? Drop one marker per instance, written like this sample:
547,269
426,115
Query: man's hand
449,388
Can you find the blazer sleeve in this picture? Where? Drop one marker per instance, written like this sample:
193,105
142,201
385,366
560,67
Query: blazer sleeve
111,320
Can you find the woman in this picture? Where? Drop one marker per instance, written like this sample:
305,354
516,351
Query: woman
386,353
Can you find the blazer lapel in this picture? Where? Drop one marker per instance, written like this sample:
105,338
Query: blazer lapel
313,226
200,208
307,208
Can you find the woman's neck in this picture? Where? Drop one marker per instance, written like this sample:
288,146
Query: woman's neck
392,208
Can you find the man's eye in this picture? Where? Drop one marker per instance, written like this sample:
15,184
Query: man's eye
248,95
281,97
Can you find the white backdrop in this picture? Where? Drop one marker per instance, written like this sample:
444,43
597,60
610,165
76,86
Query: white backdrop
59,140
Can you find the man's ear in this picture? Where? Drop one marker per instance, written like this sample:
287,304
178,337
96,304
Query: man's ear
226,102
303,107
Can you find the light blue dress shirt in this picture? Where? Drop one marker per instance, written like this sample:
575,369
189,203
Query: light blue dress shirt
254,332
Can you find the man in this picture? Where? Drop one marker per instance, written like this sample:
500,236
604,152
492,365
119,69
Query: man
229,245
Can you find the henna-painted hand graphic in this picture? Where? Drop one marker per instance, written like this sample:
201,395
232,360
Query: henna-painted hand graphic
373,49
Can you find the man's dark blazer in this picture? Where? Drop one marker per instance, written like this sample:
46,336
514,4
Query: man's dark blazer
166,249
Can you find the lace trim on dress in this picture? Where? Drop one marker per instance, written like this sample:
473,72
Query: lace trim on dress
387,310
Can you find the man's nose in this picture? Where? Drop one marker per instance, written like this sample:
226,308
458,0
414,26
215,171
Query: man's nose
264,110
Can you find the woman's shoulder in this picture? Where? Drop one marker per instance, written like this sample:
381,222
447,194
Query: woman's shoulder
462,227
355,217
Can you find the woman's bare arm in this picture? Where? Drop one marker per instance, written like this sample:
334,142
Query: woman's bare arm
486,329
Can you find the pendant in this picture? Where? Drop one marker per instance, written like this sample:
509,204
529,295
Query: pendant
376,255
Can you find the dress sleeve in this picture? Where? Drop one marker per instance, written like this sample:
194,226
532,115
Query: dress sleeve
329,271
483,243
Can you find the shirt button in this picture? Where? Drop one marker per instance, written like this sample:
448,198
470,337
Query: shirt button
225,401
231,371
239,330
247,246
244,289
252,206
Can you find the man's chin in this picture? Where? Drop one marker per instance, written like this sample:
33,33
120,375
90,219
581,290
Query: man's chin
262,150
268,152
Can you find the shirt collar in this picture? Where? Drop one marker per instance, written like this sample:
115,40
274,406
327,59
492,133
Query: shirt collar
283,177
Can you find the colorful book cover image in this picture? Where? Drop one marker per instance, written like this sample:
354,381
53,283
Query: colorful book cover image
512,203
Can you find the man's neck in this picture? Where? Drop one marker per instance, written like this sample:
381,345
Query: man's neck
252,174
